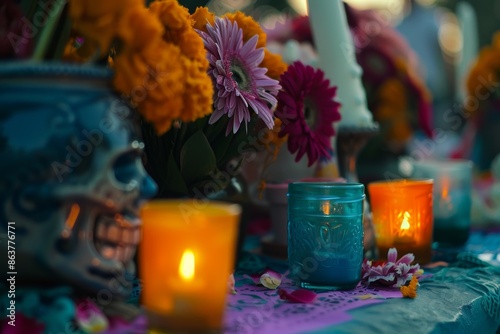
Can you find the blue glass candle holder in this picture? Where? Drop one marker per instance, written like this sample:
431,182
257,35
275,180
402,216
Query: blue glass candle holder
452,198
325,234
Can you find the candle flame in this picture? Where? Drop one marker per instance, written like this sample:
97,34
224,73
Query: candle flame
444,193
186,267
325,207
405,224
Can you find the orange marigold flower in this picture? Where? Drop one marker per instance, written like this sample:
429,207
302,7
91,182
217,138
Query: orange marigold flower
166,79
154,81
201,17
273,141
399,130
391,111
249,26
198,93
174,17
171,14
274,64
394,92
130,70
96,19
156,114
496,40
191,45
139,29
485,72
410,291
384,111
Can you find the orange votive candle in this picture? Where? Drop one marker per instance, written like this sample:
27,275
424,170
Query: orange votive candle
402,217
185,257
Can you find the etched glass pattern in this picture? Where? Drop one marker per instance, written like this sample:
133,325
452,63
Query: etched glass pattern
325,246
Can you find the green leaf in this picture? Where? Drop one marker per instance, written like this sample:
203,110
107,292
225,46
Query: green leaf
48,31
216,130
197,158
174,182
220,146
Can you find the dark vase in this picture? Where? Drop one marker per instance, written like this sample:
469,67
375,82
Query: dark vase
236,192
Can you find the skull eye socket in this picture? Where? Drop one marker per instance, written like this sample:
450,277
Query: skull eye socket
126,170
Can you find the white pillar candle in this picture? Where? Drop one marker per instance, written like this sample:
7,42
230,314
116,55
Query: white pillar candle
470,44
337,58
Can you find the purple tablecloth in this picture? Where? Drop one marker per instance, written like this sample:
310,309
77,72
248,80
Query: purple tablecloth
256,309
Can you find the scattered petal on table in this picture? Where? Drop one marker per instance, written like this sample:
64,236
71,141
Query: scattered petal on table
230,284
298,296
270,279
369,296
436,264
90,318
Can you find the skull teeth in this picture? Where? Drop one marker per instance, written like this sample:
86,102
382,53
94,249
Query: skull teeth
117,240
116,252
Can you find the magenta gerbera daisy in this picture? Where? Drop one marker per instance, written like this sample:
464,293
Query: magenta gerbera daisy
240,83
307,110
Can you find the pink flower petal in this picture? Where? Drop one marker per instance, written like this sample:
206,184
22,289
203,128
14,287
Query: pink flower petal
406,259
392,255
229,55
302,296
89,317
393,273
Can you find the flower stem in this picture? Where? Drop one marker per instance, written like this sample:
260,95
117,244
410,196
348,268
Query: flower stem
48,31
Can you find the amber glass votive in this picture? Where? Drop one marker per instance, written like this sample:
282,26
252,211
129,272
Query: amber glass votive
185,257
402,217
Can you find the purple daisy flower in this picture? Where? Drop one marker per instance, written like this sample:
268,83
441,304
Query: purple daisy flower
393,273
239,81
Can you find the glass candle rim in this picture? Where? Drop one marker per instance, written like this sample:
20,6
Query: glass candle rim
344,191
400,183
325,184
448,165
217,208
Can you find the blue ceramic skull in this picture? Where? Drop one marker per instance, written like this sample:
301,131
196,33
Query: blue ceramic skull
72,179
